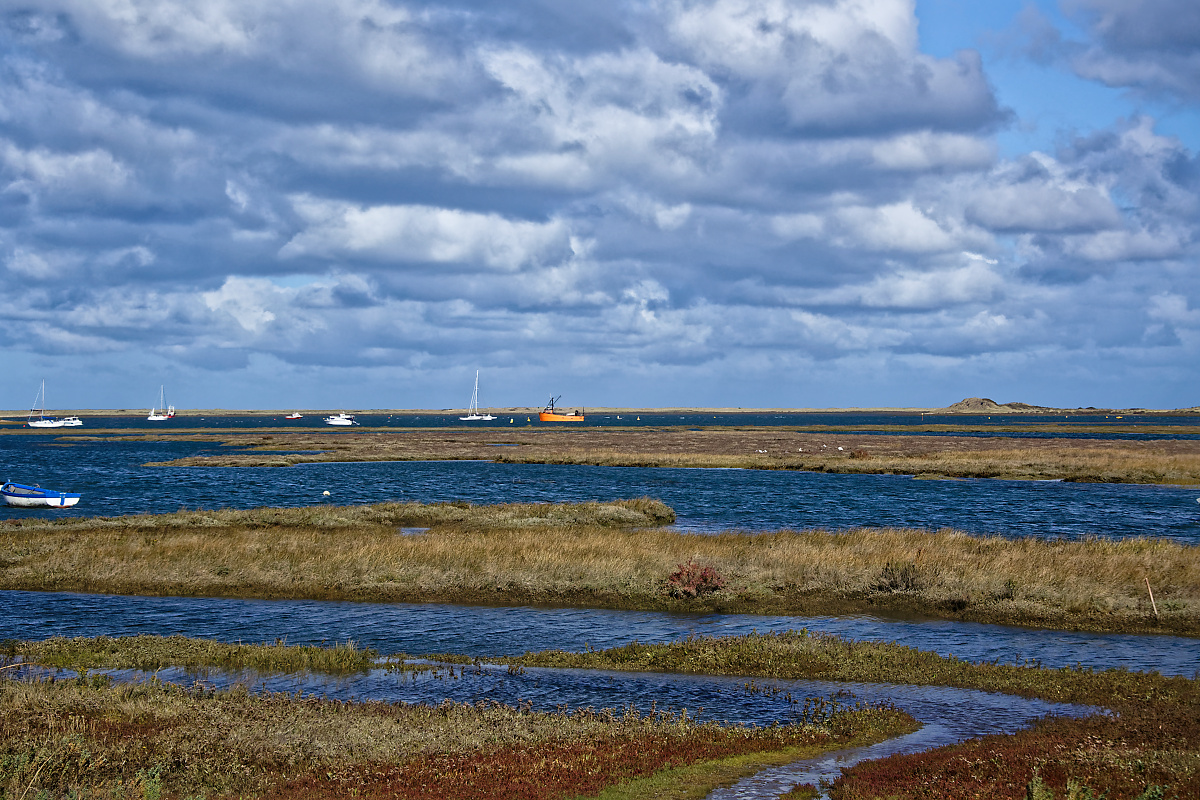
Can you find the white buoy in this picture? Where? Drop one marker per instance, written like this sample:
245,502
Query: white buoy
326,493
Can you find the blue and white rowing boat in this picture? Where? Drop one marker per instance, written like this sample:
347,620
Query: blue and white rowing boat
18,494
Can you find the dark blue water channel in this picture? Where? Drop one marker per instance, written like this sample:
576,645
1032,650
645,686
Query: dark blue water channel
425,628
113,481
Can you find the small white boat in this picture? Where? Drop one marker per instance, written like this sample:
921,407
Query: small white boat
341,419
42,420
160,414
294,415
473,412
18,494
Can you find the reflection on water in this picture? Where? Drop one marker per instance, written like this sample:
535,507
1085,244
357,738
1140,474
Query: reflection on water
112,480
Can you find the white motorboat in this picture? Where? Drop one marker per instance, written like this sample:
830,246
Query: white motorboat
18,494
340,419
294,415
473,412
160,414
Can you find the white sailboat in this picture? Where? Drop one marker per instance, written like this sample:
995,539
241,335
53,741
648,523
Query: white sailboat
42,420
473,412
159,413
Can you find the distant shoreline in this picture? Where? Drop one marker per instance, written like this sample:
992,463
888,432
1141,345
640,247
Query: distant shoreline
950,410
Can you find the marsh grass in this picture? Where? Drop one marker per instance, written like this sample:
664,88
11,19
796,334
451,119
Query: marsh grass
150,653
88,737
1162,461
803,654
582,555
640,511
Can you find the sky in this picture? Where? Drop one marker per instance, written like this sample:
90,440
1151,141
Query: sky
720,203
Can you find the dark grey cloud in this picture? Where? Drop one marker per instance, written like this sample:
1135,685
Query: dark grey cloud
1149,45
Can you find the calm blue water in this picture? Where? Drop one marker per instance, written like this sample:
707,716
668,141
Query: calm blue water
112,480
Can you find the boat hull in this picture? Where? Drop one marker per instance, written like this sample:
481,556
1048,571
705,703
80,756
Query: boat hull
21,496
47,423
546,416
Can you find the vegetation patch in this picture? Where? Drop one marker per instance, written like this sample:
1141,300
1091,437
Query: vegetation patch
609,555
691,579
150,653
88,737
816,448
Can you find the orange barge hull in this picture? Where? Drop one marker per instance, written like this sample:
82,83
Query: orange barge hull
546,416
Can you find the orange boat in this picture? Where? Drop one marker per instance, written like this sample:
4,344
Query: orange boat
552,414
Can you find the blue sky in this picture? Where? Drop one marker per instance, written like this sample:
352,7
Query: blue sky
738,203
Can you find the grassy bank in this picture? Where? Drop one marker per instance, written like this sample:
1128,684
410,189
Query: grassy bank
150,653
605,555
1163,461
160,738
1152,738
90,738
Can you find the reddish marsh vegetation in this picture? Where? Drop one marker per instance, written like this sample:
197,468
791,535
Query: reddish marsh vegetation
88,738
691,579
547,771
1118,757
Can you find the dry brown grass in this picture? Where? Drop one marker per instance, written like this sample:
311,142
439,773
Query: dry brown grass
560,555
1093,460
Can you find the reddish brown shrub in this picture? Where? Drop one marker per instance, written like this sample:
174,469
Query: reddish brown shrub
693,579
